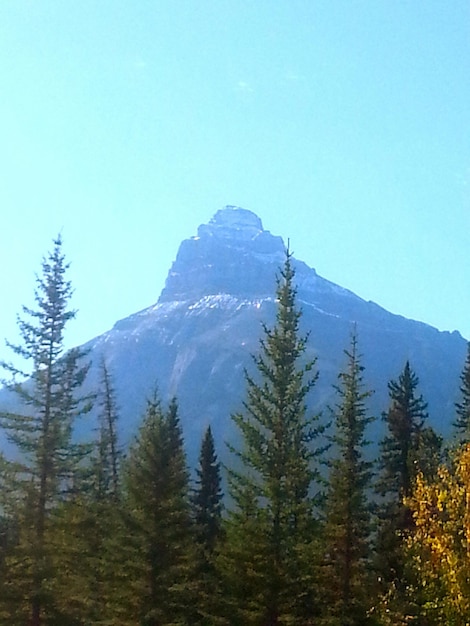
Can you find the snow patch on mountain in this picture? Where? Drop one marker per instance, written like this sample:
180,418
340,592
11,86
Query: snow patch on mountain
226,301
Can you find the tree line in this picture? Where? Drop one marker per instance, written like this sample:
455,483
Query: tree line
310,531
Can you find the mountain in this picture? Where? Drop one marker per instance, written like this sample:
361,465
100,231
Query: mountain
196,341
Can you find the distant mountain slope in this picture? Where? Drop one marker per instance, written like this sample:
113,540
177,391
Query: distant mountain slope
196,341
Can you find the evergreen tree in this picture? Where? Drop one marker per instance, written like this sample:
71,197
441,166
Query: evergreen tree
49,401
207,518
207,497
89,531
407,448
405,421
157,483
462,422
348,512
267,559
109,453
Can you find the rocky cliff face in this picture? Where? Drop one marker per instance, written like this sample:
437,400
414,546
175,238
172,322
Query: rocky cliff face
196,341
232,254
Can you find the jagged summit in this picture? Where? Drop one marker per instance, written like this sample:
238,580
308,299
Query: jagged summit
233,222
231,254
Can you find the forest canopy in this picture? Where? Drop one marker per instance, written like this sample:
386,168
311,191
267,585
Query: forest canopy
309,531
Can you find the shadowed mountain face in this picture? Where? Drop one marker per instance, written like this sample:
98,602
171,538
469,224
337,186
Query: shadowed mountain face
196,341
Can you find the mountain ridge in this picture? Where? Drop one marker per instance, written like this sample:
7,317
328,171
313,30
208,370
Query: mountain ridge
196,341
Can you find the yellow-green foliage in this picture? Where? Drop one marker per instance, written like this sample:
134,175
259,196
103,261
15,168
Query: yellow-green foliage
440,544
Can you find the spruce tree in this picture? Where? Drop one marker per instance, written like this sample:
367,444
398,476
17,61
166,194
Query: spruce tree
109,453
89,531
462,422
207,519
160,525
405,421
207,496
49,400
271,528
348,512
407,448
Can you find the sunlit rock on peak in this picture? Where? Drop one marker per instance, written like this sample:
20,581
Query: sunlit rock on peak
232,222
231,254
237,217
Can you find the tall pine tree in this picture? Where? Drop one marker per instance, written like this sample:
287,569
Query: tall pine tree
109,452
49,400
160,525
207,496
207,518
408,447
89,531
270,531
348,511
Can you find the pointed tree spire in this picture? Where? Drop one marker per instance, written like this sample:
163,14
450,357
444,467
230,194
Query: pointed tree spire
348,512
41,430
270,530
405,421
207,497
207,518
157,484
109,453
408,447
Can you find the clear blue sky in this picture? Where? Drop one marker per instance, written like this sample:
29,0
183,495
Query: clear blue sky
345,125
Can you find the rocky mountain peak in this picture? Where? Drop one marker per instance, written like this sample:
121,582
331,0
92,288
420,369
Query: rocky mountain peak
231,254
198,340
233,222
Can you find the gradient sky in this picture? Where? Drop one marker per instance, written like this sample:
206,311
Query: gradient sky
345,125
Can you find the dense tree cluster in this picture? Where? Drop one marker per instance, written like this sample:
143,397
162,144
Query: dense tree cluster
311,531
